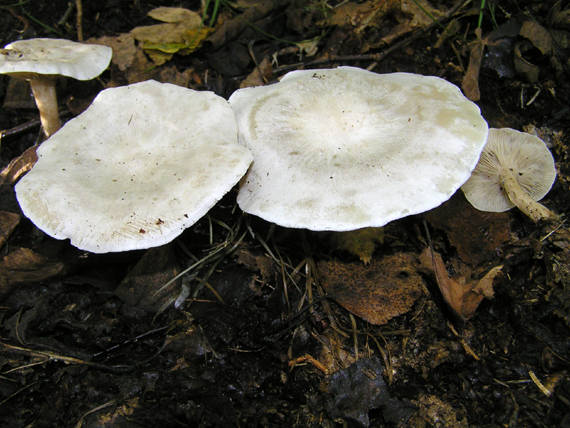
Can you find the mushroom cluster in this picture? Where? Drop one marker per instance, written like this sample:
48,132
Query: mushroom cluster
40,61
330,149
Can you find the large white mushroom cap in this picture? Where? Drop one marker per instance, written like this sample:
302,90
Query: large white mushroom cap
140,165
80,61
341,149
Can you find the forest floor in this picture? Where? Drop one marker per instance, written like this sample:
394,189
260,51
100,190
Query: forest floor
255,332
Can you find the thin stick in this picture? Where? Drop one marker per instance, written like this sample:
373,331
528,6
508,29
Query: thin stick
79,19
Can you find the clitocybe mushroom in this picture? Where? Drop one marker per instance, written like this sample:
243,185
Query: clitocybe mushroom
345,148
515,168
135,169
41,60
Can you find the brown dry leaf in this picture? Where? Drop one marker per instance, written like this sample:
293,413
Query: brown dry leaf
170,74
333,356
361,15
462,296
378,292
260,263
470,83
476,235
19,166
415,14
141,69
23,265
260,74
182,32
421,12
538,36
142,287
360,242
232,28
8,222
124,49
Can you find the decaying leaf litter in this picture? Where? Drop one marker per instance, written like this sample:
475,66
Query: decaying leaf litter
239,321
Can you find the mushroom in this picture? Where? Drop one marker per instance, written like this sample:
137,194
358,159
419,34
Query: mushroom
40,60
342,149
515,168
135,169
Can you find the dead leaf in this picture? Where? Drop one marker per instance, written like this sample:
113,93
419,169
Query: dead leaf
476,235
19,166
361,15
170,74
462,296
538,36
23,265
142,287
413,14
260,74
8,222
182,32
421,12
231,29
176,14
254,262
124,49
141,69
378,292
523,67
470,82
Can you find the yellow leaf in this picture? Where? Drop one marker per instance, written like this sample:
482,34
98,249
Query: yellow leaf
184,36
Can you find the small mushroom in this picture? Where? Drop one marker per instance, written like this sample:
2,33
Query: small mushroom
342,149
135,169
515,168
40,61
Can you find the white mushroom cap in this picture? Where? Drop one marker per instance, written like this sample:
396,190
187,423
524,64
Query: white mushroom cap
39,60
81,61
341,149
140,165
508,150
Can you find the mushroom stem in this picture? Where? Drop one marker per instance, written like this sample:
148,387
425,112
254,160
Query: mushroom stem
43,89
516,194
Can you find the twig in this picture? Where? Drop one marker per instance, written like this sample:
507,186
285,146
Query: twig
17,392
23,20
79,423
19,129
64,358
79,19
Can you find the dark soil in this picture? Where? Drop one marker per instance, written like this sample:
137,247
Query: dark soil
256,341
